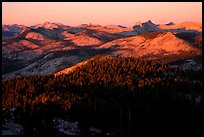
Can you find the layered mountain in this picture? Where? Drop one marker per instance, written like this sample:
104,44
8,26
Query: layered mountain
49,47
41,53
189,26
153,43
90,37
49,25
149,26
10,31
150,46
145,27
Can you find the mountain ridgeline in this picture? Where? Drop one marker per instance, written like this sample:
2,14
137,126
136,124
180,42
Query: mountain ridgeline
140,80
49,47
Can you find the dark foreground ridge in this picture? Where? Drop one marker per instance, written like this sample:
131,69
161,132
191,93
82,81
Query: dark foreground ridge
126,96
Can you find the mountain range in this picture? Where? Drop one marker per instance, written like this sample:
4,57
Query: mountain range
49,48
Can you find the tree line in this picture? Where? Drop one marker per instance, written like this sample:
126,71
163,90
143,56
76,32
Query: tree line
136,96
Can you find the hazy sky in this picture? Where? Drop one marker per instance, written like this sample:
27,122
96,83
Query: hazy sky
103,13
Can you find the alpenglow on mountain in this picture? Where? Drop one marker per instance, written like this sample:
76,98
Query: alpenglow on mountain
50,47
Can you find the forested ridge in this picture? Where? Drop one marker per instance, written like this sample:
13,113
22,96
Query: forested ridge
138,97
